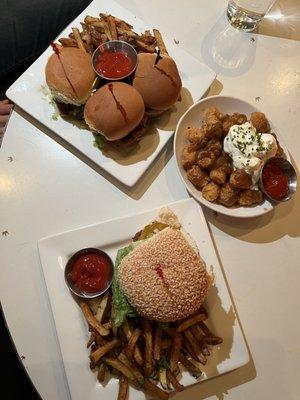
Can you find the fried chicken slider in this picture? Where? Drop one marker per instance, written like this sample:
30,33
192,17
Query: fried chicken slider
70,75
115,110
158,81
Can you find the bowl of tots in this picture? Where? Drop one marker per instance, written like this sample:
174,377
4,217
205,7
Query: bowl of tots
221,145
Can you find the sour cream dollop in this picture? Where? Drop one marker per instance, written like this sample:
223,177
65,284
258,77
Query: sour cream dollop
249,149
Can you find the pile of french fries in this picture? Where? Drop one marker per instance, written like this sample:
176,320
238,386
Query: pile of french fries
145,353
98,30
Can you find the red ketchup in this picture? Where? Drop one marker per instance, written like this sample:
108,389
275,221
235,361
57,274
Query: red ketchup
91,272
275,181
113,64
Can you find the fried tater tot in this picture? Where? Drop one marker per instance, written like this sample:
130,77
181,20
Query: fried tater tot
260,122
198,177
234,119
206,159
228,195
213,111
197,136
211,191
218,176
212,127
250,197
189,156
215,146
240,179
224,163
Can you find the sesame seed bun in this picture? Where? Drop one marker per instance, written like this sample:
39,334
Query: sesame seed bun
164,278
160,83
77,65
114,110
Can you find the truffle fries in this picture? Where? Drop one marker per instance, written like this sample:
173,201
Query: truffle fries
143,352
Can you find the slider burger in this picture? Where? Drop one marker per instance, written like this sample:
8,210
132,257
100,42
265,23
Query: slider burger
115,110
162,277
70,75
158,81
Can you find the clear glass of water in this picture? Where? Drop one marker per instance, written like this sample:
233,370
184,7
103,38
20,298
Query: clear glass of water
246,14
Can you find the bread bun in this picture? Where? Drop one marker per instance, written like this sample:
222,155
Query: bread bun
114,110
160,83
164,278
77,65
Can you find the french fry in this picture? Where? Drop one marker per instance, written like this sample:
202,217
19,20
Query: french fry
132,342
163,380
112,27
197,332
175,351
213,340
89,20
101,375
101,351
99,340
124,359
193,369
165,343
91,340
102,307
119,366
142,46
78,39
123,388
147,333
67,42
92,322
204,349
189,322
160,42
137,353
205,329
157,343
195,346
190,350
177,386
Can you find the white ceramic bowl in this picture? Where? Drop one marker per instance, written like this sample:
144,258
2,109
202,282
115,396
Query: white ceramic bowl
193,117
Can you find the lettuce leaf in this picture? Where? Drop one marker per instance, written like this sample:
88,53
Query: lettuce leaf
121,307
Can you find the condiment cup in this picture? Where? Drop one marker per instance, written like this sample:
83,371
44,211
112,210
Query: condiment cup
118,46
288,170
74,289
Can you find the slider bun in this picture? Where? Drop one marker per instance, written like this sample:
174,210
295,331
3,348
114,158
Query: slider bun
114,110
77,64
159,84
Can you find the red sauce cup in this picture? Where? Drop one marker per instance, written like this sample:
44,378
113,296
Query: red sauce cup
284,167
109,270
118,47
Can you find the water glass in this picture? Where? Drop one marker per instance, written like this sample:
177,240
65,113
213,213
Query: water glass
246,14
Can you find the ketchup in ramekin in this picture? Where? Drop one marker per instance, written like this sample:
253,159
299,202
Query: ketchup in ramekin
113,64
275,181
89,272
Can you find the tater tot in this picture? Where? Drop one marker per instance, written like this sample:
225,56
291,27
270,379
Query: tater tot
218,176
215,146
250,197
211,191
213,111
212,127
228,195
260,122
240,179
234,119
188,157
198,177
197,136
206,159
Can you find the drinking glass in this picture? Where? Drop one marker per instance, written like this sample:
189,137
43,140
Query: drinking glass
246,14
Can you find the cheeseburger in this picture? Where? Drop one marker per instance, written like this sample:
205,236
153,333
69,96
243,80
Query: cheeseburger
157,80
70,75
162,277
115,110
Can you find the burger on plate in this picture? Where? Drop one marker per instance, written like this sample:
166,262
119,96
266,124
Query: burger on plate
116,111
70,77
161,275
157,80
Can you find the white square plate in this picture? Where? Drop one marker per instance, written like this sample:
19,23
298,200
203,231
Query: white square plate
110,236
27,93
